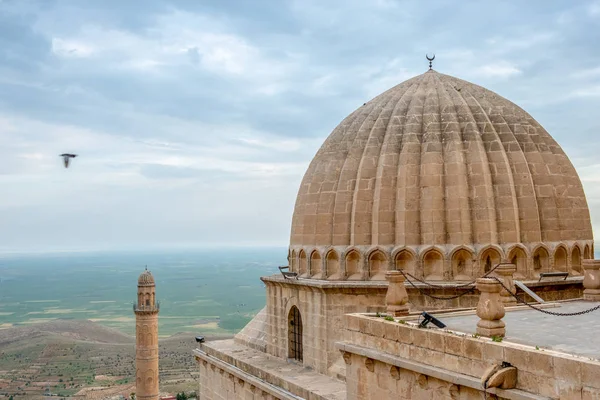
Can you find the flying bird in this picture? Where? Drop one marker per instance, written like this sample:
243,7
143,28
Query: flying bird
67,158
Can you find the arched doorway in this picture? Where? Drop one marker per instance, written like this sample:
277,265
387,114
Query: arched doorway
295,334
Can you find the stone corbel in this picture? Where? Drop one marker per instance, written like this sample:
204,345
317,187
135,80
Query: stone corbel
370,364
395,372
347,357
503,376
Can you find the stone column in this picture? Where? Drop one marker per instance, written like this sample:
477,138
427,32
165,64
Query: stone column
490,308
591,280
505,273
396,298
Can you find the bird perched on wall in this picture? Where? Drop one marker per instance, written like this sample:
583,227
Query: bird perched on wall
67,158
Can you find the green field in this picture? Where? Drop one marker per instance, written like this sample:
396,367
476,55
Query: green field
208,291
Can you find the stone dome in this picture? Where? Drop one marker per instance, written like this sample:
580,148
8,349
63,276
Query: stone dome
443,178
146,279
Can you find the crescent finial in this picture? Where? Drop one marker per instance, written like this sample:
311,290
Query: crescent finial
430,59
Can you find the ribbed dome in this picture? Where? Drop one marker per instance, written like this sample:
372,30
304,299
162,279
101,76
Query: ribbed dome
146,279
438,161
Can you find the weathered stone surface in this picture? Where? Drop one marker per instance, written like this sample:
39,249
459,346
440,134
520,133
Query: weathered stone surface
396,299
490,308
444,179
591,280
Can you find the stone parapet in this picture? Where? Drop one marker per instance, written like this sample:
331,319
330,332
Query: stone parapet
546,374
230,371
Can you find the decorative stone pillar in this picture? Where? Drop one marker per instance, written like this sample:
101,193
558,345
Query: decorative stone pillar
505,272
396,298
591,280
490,308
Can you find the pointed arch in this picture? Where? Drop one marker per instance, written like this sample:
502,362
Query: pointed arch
489,257
461,260
293,261
517,255
378,264
561,258
316,265
586,252
302,264
405,259
576,268
295,334
433,265
332,265
352,261
541,260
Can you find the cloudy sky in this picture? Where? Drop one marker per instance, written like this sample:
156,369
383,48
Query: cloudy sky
195,120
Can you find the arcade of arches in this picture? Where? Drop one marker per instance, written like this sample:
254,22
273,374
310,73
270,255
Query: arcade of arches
459,264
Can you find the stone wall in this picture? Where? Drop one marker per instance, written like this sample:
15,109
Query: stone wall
369,379
218,384
322,307
255,333
374,348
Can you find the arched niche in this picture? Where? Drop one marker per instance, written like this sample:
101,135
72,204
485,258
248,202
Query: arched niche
295,333
488,260
518,257
433,266
586,252
541,261
332,265
560,259
576,261
353,272
293,262
316,265
405,261
377,265
302,264
149,378
462,265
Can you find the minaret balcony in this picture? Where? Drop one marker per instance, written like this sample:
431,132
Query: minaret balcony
137,307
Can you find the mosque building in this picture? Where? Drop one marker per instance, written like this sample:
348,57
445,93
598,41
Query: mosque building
441,179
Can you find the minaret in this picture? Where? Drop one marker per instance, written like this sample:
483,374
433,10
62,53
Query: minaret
146,339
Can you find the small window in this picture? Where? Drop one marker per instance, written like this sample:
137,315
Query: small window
295,334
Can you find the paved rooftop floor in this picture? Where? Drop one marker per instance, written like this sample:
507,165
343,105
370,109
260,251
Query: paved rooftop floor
578,335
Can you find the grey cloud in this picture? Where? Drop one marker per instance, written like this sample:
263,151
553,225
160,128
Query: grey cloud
276,71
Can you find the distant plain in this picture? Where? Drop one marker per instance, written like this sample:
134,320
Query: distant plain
212,291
